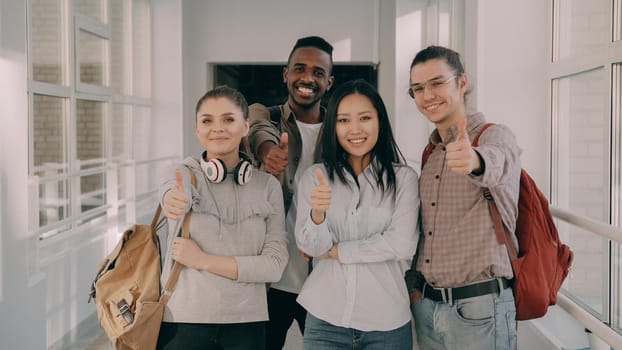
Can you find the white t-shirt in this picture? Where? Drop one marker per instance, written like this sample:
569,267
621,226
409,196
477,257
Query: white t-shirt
297,268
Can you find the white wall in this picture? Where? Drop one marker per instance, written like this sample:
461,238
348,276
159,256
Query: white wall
411,127
22,301
511,55
167,76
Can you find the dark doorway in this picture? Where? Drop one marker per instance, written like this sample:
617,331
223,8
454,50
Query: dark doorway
264,83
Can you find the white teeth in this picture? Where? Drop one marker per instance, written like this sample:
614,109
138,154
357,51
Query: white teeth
357,141
305,90
432,107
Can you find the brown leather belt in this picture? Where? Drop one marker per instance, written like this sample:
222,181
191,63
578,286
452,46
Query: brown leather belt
448,295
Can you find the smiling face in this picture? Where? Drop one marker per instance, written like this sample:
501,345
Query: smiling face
308,76
220,127
443,104
357,129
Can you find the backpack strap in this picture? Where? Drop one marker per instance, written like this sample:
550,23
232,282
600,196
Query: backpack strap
503,236
426,154
475,142
275,115
176,270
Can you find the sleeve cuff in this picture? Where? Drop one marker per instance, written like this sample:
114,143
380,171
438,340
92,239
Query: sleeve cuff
347,252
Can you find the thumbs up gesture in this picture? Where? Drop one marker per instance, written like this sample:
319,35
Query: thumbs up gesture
320,198
460,156
175,199
275,159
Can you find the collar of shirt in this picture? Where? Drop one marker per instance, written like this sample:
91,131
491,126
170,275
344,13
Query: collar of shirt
291,116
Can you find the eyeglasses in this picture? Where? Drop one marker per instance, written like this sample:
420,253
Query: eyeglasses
433,85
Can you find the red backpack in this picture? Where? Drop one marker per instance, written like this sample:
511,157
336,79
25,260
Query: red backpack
543,261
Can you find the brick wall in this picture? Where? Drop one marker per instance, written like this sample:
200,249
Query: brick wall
49,143
45,41
588,168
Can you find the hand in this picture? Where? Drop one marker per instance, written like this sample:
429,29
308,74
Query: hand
332,253
320,198
175,199
305,256
415,296
275,159
460,156
186,252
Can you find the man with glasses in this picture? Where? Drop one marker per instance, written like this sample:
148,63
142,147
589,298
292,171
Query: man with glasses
459,279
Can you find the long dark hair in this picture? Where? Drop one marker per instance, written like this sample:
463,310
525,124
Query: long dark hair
385,152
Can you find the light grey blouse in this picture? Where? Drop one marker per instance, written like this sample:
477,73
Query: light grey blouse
377,235
243,221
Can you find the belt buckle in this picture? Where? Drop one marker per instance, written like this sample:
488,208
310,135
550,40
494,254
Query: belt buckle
501,289
446,294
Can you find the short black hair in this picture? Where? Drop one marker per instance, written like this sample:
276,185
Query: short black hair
313,41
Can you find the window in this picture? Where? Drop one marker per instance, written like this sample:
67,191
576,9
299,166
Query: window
48,44
583,27
585,143
89,87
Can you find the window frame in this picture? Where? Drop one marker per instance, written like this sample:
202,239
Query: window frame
608,56
111,168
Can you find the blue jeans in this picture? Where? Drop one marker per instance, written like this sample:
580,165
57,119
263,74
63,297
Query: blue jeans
479,323
321,335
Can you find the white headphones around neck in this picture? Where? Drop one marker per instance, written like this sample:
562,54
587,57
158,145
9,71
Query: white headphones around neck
216,171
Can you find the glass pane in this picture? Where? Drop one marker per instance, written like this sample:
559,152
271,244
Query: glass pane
583,26
92,191
119,131
141,133
583,177
91,58
91,8
145,179
119,47
49,136
122,181
46,41
53,202
142,46
89,131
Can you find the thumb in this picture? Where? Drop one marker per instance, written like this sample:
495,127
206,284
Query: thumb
284,140
462,130
179,179
319,174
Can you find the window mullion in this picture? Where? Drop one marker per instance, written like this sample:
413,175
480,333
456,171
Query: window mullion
616,181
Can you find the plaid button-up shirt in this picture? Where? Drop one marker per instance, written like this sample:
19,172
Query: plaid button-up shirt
459,244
